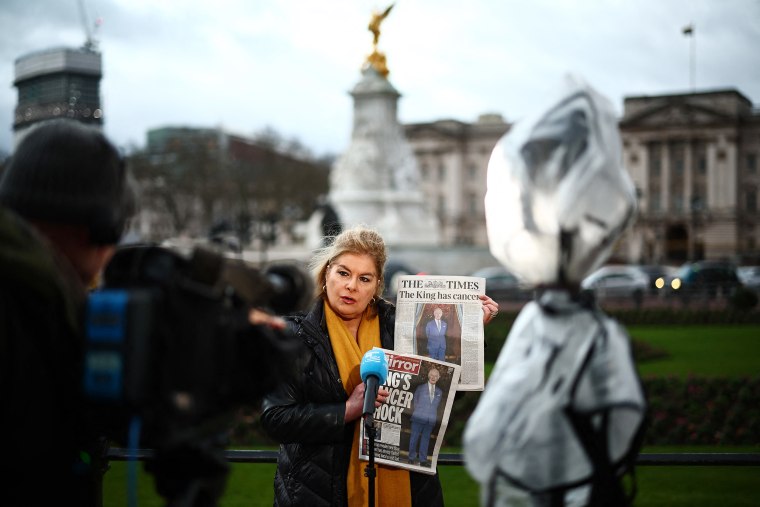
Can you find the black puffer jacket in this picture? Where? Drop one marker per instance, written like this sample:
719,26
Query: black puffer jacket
306,415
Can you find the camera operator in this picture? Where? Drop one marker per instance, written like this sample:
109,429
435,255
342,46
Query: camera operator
65,199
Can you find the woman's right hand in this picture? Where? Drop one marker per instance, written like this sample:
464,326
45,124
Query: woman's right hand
355,402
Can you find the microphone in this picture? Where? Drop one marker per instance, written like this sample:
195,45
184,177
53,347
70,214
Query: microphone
374,372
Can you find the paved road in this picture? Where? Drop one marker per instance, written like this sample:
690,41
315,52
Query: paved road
649,302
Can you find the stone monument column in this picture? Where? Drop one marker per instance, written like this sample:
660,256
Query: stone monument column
376,180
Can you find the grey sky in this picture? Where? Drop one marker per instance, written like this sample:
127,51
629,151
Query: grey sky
289,64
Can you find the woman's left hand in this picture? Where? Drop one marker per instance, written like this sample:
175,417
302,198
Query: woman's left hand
490,308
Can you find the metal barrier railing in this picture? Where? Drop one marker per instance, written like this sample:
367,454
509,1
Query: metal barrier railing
645,459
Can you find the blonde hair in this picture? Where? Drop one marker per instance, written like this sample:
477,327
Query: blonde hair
359,240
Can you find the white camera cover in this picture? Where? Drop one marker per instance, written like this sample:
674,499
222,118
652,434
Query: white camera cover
558,196
561,362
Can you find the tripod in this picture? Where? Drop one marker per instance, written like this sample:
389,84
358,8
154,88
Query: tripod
369,470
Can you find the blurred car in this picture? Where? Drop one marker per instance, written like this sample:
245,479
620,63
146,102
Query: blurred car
706,279
750,277
618,282
394,269
659,276
501,285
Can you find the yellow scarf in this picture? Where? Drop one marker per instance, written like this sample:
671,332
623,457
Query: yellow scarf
392,487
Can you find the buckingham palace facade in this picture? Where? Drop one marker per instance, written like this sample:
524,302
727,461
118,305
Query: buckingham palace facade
694,160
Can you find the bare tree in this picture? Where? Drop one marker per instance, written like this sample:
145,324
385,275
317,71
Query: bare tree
205,182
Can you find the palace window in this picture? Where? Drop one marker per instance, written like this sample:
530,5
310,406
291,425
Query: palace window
702,165
654,201
751,200
677,158
697,202
677,203
472,204
654,160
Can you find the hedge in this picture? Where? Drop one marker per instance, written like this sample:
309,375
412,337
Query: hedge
692,411
703,411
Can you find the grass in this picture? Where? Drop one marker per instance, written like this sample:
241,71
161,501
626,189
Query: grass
250,485
711,351
697,486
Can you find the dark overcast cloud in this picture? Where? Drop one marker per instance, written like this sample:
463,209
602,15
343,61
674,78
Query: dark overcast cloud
245,65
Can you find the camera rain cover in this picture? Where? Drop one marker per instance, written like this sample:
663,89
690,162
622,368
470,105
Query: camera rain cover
557,193
562,407
561,418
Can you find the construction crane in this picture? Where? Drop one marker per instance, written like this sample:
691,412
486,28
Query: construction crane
90,32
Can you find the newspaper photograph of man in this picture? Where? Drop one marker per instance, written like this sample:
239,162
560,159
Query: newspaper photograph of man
425,416
427,398
439,332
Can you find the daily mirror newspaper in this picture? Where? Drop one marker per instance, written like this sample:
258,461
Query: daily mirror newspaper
410,425
441,317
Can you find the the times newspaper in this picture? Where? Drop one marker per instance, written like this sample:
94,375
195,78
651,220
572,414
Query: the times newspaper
410,425
442,317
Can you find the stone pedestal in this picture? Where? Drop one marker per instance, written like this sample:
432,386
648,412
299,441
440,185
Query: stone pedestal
376,181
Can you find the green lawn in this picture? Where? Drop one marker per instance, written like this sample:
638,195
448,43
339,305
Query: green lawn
698,486
250,485
730,351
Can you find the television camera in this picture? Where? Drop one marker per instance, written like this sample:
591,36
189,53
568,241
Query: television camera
172,349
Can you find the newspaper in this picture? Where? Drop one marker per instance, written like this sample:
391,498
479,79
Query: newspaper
457,336
410,425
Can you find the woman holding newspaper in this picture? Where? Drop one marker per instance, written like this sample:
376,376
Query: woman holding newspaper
315,414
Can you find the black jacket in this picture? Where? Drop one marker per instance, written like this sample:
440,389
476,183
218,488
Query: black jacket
49,449
306,415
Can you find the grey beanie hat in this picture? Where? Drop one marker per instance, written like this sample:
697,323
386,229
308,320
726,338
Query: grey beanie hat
66,172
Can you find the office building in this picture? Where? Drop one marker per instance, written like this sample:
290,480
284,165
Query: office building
58,83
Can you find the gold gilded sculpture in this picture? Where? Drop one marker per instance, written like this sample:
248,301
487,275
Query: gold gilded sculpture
377,59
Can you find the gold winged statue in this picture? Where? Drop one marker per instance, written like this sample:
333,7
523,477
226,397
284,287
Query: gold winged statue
377,59
374,24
